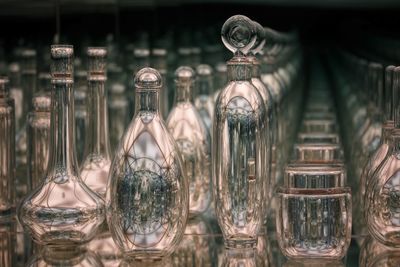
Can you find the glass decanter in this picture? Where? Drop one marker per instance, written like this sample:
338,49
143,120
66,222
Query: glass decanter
118,104
379,154
240,163
381,201
97,157
62,213
204,85
148,194
38,139
192,137
7,150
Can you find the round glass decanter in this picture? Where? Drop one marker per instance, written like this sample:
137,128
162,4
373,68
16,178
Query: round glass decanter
191,135
148,194
97,160
240,163
381,201
63,212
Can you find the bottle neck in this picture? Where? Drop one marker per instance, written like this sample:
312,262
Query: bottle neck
239,72
147,101
62,135
204,86
97,125
256,71
183,92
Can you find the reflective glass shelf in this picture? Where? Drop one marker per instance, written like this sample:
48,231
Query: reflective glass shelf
202,245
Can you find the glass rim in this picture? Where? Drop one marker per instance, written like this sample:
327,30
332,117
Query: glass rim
317,145
318,134
312,166
313,192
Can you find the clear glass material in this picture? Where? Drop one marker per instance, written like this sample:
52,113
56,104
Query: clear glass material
17,94
240,258
319,125
314,223
317,152
63,213
381,210
159,62
311,175
148,193
314,263
97,157
7,150
193,139
38,139
378,155
8,244
204,87
77,257
374,254
240,164
313,138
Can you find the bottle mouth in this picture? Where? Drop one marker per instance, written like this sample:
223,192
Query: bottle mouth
240,60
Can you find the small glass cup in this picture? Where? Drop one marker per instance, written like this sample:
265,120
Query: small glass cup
319,125
319,152
312,175
315,137
314,223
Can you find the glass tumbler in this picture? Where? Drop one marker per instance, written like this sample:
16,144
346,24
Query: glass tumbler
314,223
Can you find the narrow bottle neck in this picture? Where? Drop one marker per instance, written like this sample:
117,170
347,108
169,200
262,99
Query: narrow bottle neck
183,93
62,135
239,72
147,101
97,125
256,71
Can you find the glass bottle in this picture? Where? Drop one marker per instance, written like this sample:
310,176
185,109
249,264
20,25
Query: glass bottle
63,213
204,85
7,150
240,258
193,140
220,79
118,104
240,162
141,59
16,93
147,195
379,154
38,139
381,209
97,160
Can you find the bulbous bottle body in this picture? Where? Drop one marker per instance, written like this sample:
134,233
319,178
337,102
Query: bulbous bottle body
147,196
240,162
193,140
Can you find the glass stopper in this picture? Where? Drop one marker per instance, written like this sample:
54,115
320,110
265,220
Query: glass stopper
239,34
148,78
260,39
41,103
62,61
184,74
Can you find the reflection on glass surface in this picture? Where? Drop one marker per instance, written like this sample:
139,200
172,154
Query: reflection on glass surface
313,263
240,258
77,257
147,262
8,257
204,87
198,247
374,254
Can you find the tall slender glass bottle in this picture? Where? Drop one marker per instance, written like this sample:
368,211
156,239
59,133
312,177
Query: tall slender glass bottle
240,151
204,85
97,159
193,140
63,213
80,97
7,150
147,195
38,139
381,210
